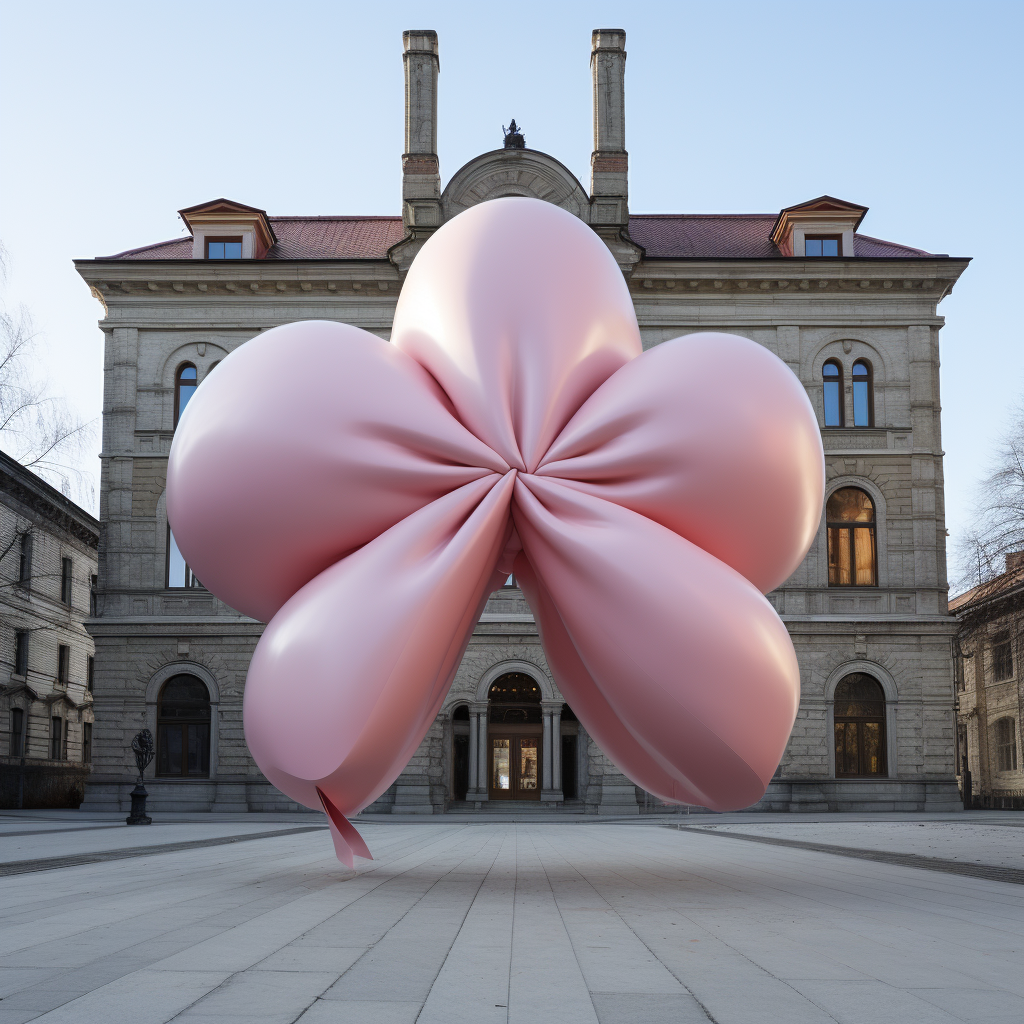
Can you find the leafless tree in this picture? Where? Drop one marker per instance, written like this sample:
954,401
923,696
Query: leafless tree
38,428
997,522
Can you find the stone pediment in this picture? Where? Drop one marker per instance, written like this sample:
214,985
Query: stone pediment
515,172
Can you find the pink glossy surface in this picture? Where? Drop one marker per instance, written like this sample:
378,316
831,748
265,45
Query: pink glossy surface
365,498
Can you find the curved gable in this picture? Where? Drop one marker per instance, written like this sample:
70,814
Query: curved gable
515,172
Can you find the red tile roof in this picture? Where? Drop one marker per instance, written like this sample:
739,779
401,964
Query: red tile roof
730,236
302,238
663,235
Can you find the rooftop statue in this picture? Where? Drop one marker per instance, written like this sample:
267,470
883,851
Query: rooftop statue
514,138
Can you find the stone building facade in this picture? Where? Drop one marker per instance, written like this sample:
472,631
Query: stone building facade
48,562
990,689
853,316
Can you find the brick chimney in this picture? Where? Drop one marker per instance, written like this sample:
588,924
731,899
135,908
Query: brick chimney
421,174
1014,560
609,162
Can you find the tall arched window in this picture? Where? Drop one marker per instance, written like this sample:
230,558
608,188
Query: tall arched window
850,518
860,727
832,385
863,395
183,728
185,384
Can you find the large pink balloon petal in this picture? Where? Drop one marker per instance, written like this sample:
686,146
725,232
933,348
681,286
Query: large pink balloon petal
712,436
519,311
366,497
304,444
688,654
588,702
351,672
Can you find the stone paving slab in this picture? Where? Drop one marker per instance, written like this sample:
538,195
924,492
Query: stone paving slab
502,921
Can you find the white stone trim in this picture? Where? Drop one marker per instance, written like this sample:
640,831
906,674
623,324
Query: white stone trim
202,673
892,699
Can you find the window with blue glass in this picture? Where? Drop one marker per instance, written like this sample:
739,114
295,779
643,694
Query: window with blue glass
832,385
179,573
863,399
224,248
822,245
185,383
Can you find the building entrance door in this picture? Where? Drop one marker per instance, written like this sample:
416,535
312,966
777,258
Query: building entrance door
515,763
515,737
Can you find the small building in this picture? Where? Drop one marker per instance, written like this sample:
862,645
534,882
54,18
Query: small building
855,317
48,565
990,689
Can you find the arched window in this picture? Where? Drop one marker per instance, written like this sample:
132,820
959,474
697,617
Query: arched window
183,728
850,518
863,395
515,698
832,385
860,727
185,384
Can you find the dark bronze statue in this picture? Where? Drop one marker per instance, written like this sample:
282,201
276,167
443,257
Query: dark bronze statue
514,138
142,748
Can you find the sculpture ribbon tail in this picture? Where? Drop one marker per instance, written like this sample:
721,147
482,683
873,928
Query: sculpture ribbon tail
348,843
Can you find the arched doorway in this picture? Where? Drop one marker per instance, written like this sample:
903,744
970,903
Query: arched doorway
860,741
183,728
460,752
514,733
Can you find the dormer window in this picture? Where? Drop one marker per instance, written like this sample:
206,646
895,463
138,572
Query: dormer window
224,248
822,227
823,245
226,230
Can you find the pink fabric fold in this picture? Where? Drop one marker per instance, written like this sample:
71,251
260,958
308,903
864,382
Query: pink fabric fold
364,498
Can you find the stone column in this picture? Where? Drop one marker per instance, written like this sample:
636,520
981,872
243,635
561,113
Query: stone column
421,175
552,712
556,752
546,756
474,728
482,752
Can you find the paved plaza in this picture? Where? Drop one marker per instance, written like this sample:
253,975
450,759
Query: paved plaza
730,918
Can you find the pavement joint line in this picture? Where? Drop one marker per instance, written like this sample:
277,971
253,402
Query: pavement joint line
21,867
990,872
59,831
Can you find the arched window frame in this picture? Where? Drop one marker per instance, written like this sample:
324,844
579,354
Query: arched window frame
203,724
892,704
209,680
851,527
863,393
828,380
847,722
179,381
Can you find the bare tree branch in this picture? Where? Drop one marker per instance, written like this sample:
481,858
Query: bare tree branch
997,521
38,428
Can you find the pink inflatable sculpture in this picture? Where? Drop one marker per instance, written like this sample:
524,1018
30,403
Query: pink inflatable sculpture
364,499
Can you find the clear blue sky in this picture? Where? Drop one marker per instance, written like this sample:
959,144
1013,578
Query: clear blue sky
116,115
